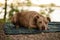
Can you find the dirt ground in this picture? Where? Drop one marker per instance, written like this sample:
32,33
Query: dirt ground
45,36
40,36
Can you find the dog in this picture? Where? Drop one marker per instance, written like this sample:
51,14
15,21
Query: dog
30,19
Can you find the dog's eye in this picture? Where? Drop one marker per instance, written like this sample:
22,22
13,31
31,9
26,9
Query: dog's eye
40,22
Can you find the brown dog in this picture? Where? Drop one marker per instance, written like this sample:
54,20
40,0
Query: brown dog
30,19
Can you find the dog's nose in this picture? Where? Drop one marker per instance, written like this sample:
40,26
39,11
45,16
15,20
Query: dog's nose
43,27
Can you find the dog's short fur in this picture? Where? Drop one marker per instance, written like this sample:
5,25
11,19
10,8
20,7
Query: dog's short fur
30,19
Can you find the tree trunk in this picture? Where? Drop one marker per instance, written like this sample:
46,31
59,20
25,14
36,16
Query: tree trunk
5,10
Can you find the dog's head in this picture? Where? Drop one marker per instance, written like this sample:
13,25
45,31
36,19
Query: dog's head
42,22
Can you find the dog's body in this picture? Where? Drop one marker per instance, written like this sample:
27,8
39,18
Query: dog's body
30,19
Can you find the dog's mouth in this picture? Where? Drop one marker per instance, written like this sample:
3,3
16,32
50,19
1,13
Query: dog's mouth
44,28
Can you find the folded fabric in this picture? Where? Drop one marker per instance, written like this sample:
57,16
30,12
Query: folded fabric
10,29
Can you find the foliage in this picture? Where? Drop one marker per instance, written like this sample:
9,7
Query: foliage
1,20
42,5
12,10
50,10
22,4
29,3
52,4
1,4
42,12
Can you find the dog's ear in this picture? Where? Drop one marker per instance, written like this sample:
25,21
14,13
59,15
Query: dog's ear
35,19
48,18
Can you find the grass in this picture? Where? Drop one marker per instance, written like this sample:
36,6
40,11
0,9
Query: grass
1,28
1,20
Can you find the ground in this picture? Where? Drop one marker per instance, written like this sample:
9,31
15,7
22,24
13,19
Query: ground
39,36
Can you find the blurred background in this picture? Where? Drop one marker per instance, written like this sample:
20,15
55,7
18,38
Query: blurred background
50,8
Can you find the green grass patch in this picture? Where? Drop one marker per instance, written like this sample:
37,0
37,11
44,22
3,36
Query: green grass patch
1,20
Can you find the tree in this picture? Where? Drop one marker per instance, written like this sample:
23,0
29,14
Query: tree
5,10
